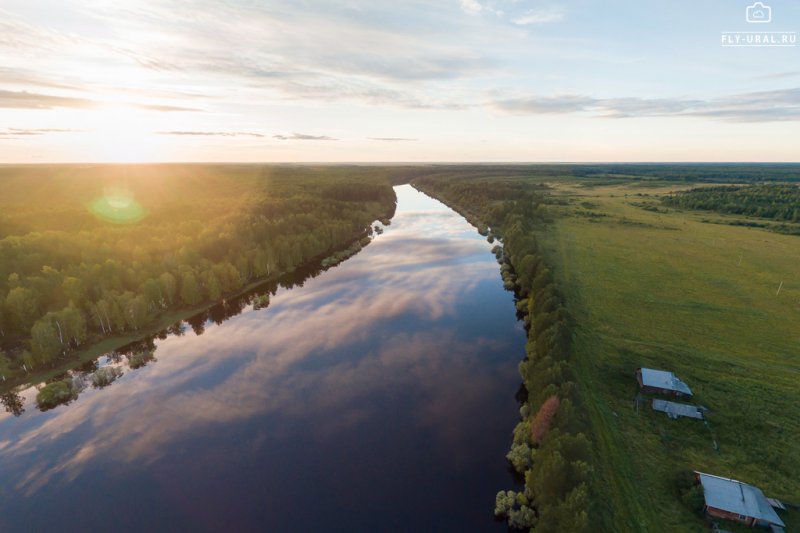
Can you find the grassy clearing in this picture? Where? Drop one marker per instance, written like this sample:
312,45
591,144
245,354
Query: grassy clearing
666,290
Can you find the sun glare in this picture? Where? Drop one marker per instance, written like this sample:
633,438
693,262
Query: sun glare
123,135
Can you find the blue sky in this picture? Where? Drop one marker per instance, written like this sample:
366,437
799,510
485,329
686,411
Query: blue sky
378,80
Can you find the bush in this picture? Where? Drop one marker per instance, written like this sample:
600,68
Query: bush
690,491
522,518
521,457
694,499
105,376
55,394
504,502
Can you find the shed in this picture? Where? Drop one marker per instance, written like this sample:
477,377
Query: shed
661,382
730,499
676,410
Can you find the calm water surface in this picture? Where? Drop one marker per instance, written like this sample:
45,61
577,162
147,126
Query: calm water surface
378,396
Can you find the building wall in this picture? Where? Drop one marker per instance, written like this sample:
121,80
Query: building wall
725,515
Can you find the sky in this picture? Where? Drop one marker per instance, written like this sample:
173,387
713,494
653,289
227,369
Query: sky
398,81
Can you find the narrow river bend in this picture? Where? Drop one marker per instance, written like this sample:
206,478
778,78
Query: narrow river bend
378,396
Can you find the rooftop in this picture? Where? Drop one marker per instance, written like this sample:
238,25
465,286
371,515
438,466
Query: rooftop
675,410
736,497
661,379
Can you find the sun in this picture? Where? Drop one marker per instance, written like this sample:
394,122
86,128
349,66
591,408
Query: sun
123,135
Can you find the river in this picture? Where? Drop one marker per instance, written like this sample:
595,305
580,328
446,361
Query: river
376,396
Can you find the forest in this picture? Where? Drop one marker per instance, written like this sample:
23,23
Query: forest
550,449
92,252
774,201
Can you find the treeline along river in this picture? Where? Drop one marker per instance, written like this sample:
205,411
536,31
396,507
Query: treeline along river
375,396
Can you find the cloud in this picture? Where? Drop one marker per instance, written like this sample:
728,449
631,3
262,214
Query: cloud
21,77
212,133
779,75
27,100
303,137
166,108
380,53
37,131
471,6
15,133
764,106
539,16
391,139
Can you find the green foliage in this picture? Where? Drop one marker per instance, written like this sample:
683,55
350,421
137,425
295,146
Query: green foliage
521,457
771,200
140,359
694,499
57,393
69,278
522,518
103,377
557,474
504,502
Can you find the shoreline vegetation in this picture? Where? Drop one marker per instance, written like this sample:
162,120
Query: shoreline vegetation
169,320
78,283
648,282
550,450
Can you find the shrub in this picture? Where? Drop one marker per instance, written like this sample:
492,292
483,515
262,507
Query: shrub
105,376
521,457
55,394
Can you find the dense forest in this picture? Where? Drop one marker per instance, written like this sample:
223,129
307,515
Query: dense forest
550,449
600,174
773,201
99,251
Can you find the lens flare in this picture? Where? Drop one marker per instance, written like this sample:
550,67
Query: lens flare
118,205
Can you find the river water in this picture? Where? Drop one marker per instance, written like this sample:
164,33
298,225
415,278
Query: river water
375,396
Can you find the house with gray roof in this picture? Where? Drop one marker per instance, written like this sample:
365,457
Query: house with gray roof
661,382
730,499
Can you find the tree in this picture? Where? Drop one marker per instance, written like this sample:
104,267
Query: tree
504,502
521,457
22,307
190,291
522,518
73,325
135,310
169,286
73,290
151,290
541,423
213,288
45,340
12,402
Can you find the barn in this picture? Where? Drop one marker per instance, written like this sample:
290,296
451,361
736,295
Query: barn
730,499
661,382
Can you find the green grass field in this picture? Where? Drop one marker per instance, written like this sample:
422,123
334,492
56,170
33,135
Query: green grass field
668,291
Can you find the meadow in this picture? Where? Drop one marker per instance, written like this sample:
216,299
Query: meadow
698,293
667,290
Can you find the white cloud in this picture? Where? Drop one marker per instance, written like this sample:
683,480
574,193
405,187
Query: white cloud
539,16
471,6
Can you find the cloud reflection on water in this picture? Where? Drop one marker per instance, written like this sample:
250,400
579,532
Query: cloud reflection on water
319,352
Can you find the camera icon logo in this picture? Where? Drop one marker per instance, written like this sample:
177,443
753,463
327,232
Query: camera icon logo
759,13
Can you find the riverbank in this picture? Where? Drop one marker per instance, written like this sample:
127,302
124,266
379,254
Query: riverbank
550,449
170,317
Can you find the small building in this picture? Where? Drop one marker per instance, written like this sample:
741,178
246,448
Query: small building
730,499
675,410
661,382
